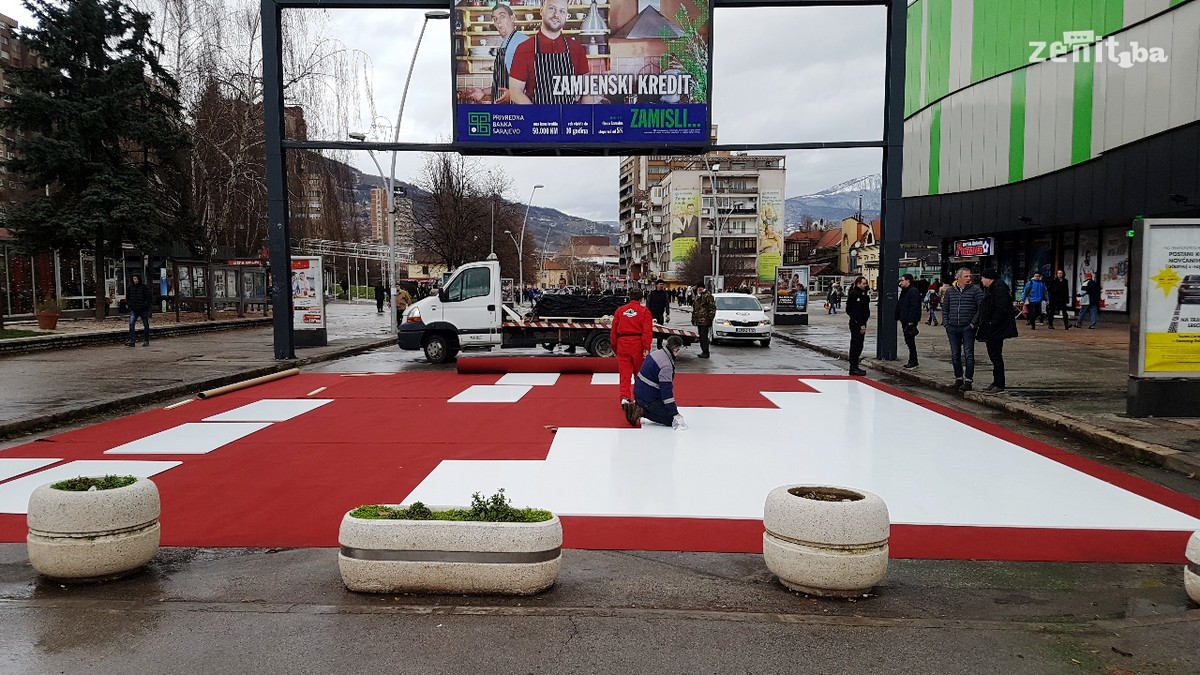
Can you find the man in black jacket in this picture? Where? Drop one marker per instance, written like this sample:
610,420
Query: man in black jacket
1060,299
659,304
138,297
858,308
997,323
908,313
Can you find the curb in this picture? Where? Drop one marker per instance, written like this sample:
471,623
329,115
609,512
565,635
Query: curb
1168,458
116,336
31,424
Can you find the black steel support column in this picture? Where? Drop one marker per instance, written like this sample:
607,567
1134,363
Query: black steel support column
278,233
891,210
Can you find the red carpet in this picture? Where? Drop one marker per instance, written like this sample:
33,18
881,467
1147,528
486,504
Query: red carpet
289,484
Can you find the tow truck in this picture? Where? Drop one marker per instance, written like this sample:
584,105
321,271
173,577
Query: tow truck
467,313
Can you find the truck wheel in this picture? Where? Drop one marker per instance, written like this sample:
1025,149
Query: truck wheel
437,349
601,345
549,346
767,342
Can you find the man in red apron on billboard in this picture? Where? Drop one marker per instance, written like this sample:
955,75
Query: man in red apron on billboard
631,334
547,55
506,26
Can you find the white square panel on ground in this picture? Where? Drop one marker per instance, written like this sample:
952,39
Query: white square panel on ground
14,496
929,468
533,379
270,410
19,465
193,438
606,378
492,393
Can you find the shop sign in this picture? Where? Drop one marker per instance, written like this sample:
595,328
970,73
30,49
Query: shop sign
966,248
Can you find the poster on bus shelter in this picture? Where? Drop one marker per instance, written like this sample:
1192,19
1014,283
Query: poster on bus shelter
553,72
308,300
1171,299
791,289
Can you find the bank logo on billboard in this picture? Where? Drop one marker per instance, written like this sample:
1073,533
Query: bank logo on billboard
1076,43
480,124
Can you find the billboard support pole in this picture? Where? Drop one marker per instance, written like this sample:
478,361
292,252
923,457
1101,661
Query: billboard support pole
891,212
279,239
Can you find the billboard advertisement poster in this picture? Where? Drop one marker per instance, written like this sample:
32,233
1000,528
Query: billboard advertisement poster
308,298
1113,282
552,73
770,239
1089,257
685,223
791,289
1171,300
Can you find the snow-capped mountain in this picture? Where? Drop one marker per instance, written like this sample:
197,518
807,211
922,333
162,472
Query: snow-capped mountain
837,202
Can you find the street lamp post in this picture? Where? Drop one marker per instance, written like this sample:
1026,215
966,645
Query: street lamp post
521,243
545,245
391,185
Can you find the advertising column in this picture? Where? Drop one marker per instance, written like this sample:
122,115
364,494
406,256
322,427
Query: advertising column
1165,319
791,295
308,303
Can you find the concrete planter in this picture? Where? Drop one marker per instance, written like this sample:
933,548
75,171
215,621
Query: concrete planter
1191,571
833,545
437,556
101,534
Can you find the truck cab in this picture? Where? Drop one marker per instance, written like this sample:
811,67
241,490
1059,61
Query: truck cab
467,312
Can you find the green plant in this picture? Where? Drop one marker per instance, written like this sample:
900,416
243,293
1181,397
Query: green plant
84,483
495,509
690,50
51,304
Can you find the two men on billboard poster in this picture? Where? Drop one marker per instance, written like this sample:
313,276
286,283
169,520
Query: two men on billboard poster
611,75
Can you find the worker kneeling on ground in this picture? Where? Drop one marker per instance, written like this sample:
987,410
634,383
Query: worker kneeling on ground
631,332
654,389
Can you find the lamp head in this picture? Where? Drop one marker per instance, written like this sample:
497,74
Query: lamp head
437,14
357,135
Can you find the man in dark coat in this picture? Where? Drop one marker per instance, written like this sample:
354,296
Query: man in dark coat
704,310
380,296
858,308
1060,299
659,304
139,298
997,323
908,313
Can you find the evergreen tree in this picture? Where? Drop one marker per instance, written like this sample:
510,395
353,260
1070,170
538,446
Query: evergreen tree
100,135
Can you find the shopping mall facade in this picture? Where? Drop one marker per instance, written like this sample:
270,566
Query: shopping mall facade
1036,131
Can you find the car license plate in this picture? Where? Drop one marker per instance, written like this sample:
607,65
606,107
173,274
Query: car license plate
745,330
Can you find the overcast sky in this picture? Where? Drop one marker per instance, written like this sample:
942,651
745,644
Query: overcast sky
779,74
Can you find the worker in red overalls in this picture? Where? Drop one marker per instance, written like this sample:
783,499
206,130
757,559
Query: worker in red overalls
632,330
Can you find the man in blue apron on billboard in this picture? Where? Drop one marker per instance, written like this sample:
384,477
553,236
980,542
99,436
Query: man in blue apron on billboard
547,55
506,25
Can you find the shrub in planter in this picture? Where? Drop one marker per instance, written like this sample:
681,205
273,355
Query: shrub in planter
95,527
826,540
47,312
488,547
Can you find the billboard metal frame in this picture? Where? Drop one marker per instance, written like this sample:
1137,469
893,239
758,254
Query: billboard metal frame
891,212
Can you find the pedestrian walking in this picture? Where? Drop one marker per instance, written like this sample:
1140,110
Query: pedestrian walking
403,300
834,300
654,389
630,337
933,300
380,296
858,308
960,316
996,324
659,304
1089,301
704,310
1035,293
1060,299
139,298
908,313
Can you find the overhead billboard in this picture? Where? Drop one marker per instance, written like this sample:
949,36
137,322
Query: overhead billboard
551,73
